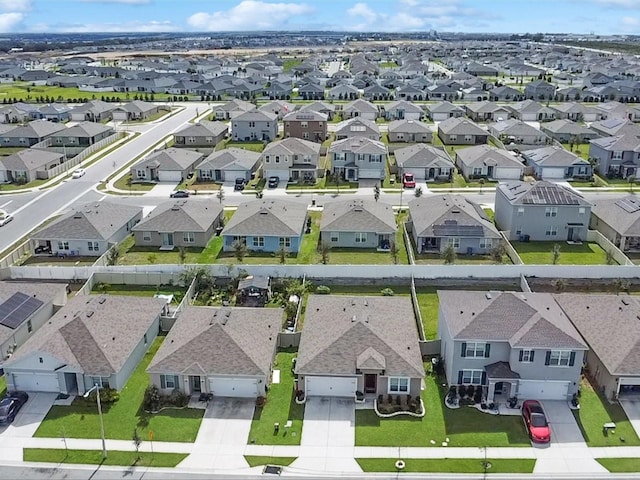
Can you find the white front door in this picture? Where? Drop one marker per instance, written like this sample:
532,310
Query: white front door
36,382
233,387
331,386
543,390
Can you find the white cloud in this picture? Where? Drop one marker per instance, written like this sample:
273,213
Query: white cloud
129,2
15,5
250,15
8,21
630,24
146,27
363,10
620,3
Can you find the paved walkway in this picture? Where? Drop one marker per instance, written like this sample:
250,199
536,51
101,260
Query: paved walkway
631,407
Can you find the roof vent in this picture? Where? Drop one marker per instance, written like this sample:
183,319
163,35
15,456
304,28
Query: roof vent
102,300
488,296
461,312
624,301
366,303
353,319
77,215
89,313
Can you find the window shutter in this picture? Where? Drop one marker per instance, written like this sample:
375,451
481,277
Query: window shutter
572,359
487,350
459,377
547,359
464,349
520,355
162,383
531,355
483,381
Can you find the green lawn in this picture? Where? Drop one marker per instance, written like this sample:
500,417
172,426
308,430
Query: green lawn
16,186
581,149
94,457
309,245
429,304
620,465
436,259
130,254
255,461
80,419
140,290
3,386
253,146
449,465
464,427
594,412
25,91
279,407
124,183
540,253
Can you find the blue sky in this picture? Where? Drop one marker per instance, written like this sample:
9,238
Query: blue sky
517,16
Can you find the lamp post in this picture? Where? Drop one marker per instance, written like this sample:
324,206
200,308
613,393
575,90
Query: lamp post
96,387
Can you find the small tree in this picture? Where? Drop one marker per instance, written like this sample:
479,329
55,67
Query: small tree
394,251
376,192
283,254
481,182
418,192
498,253
239,250
631,179
113,255
182,254
220,195
609,258
137,441
449,255
555,253
324,252
151,258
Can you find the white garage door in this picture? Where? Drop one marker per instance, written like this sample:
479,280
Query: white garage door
368,173
38,382
508,173
233,387
332,386
169,176
552,173
543,390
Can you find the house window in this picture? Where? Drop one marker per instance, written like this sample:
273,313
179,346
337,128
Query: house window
616,155
266,158
93,246
40,360
581,211
454,242
560,358
520,211
146,236
29,326
305,135
398,385
188,237
453,138
258,241
551,231
361,237
551,212
519,230
284,242
191,139
486,243
334,237
168,381
277,158
526,356
470,377
475,350
400,136
63,245
304,124
140,173
103,382
252,124
468,138
477,170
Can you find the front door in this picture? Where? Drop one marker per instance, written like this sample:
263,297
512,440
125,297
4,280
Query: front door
167,239
370,383
570,234
195,384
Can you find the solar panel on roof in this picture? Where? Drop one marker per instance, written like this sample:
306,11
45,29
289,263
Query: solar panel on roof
628,205
18,308
451,230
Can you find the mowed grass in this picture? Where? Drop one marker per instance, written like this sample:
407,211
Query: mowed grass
80,419
280,406
429,305
464,427
541,253
594,412
125,183
94,457
255,461
449,465
140,290
3,386
620,465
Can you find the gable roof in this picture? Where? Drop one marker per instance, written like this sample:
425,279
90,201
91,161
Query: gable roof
203,128
619,143
358,216
621,214
359,145
341,330
515,127
230,157
524,320
553,156
540,193
566,126
409,126
267,217
34,129
444,107
84,130
220,341
171,159
356,125
422,155
361,106
29,159
487,155
292,146
256,116
181,216
460,126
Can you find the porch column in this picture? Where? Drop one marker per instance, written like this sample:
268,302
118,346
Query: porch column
623,241
187,390
491,391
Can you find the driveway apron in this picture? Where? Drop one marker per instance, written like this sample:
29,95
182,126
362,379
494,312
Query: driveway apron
162,189
631,407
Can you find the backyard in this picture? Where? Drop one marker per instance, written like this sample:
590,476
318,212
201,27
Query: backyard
279,407
80,419
541,253
130,254
140,290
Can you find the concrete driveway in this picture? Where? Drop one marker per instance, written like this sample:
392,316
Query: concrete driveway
162,189
631,406
564,428
223,435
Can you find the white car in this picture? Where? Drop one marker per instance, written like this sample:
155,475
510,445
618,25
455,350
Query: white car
5,218
78,173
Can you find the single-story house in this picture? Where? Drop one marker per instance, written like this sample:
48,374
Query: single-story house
487,111
409,131
402,110
517,132
136,110
566,131
83,134
556,163
486,161
27,135
425,162
168,165
360,108
461,131
228,164
28,165
618,219
440,111
93,111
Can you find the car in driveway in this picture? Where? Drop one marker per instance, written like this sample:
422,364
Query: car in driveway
273,182
5,218
240,184
179,194
10,405
408,180
78,173
535,421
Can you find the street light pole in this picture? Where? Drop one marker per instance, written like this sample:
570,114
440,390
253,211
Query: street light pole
96,387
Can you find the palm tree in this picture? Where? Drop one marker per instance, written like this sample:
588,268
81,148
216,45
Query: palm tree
239,249
449,255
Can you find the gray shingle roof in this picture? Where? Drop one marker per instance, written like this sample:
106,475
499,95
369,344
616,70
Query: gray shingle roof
422,155
268,218
358,216
94,334
540,193
230,157
256,116
487,155
360,105
444,107
339,329
629,142
566,127
84,130
29,159
553,156
621,214
359,145
171,159
460,126
35,129
515,127
525,320
220,341
292,146
203,128
409,126
181,216
356,126
92,221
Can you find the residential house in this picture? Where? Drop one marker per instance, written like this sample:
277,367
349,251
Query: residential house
180,223
93,111
254,125
618,219
308,125
357,127
439,221
88,230
461,131
321,107
82,135
487,112
539,90
541,211
401,110
26,306
228,164
28,165
226,352
311,91
204,134
231,109
54,112
409,131
443,110
515,344
567,131
25,136
292,160
425,162
532,111
578,112
266,226
517,132
92,340
278,107
343,92
359,344
360,108
617,156
486,161
168,165
505,93
377,92
555,163
363,224
614,126
136,110
357,158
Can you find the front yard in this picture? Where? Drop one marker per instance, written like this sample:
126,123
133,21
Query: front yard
464,427
80,419
449,465
620,465
94,457
280,406
541,253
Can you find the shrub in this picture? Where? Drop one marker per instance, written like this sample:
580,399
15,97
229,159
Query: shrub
478,395
380,400
387,292
151,402
398,400
178,399
323,290
108,396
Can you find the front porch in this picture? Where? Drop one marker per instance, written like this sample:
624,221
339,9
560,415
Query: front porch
502,382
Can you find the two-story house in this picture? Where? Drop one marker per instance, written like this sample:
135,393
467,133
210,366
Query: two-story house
617,156
204,134
539,90
254,125
358,158
307,125
292,159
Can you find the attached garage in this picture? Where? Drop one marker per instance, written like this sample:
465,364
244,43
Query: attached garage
169,175
36,382
368,173
233,387
557,173
331,386
507,173
628,385
543,390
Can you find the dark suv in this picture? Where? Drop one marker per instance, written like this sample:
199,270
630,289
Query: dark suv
10,405
240,184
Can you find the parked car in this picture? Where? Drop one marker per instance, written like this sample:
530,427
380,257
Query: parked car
536,422
240,184
42,249
10,405
273,182
78,173
408,180
5,218
179,194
